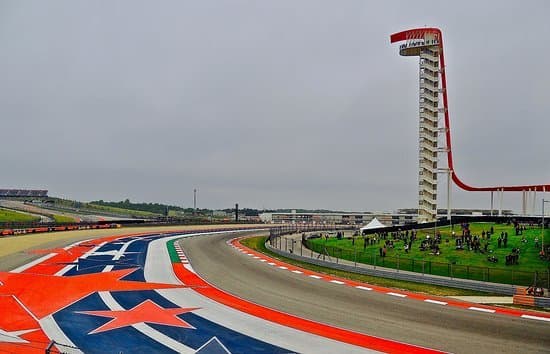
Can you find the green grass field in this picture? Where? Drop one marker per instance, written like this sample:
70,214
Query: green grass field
451,262
14,216
91,208
62,219
114,210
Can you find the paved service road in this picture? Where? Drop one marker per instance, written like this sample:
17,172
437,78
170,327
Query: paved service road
411,321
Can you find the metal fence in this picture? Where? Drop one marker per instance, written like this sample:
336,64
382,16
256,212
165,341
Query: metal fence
287,229
494,275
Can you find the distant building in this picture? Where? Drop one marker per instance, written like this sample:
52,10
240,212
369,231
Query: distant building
350,218
219,214
23,193
401,217
461,212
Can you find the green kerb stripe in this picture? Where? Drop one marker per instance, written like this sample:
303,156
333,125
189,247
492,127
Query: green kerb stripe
172,252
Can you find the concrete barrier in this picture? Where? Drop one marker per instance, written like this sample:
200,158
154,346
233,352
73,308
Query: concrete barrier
494,288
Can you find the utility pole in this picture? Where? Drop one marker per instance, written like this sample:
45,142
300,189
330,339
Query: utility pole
195,201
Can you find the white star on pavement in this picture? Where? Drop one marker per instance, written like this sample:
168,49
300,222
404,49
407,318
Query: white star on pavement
116,254
13,337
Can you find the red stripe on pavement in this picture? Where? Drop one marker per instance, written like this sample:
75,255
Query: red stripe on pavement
339,334
412,295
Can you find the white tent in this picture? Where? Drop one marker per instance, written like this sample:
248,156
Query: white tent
373,224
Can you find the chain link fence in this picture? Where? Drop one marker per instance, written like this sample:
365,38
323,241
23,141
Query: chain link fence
494,275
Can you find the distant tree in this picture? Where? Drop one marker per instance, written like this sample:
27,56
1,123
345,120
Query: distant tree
156,208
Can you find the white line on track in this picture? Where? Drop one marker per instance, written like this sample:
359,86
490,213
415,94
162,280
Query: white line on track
65,269
337,282
536,318
363,288
396,294
481,309
33,263
52,330
435,302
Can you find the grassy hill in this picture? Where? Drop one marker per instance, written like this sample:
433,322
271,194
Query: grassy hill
151,208
17,217
463,263
124,211
99,208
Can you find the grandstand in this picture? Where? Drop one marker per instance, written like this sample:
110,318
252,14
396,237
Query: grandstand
23,193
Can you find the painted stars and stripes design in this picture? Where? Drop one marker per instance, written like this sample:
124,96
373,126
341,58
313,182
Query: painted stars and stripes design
145,312
96,299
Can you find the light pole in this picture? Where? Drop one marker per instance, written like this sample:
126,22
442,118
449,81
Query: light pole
542,232
195,201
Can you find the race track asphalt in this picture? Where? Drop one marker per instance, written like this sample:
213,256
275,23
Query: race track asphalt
401,319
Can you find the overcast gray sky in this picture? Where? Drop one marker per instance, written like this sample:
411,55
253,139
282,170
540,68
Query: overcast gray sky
297,104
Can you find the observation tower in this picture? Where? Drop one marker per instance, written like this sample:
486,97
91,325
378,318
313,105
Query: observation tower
425,45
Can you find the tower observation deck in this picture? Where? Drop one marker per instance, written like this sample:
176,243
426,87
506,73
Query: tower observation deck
426,47
427,44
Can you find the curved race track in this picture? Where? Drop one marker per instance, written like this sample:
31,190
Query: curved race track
137,293
401,319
